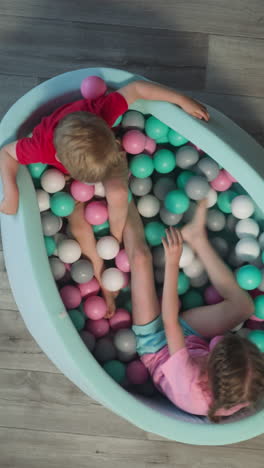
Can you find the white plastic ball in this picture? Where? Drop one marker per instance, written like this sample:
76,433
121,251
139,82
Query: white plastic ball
126,357
57,267
247,249
169,218
133,119
215,220
52,180
200,280
43,200
186,156
208,167
194,269
211,198
69,251
242,206
158,256
107,247
112,279
187,256
99,190
148,206
140,187
163,186
257,262
125,340
247,227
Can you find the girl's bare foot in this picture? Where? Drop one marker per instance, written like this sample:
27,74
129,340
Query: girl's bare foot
109,298
196,229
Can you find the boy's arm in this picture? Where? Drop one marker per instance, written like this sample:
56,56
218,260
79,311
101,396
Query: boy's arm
8,168
147,90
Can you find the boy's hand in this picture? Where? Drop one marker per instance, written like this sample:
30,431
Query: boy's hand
9,206
194,108
172,245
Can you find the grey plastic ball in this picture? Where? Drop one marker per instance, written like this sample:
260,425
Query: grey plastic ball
88,339
82,271
158,256
208,167
186,156
104,350
197,188
125,341
189,214
159,275
169,218
57,267
163,186
215,220
126,357
140,187
51,223
220,245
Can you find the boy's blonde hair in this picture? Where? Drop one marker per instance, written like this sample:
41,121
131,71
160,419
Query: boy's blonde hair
86,147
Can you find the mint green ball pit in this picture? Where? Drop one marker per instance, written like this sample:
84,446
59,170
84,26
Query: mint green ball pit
33,285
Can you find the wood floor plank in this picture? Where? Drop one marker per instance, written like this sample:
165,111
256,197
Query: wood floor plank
242,19
13,87
235,66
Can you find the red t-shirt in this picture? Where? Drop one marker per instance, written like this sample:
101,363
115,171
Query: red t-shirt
40,147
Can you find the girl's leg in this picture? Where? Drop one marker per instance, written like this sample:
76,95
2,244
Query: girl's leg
145,305
236,306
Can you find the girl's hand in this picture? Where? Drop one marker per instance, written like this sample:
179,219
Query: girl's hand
194,108
172,245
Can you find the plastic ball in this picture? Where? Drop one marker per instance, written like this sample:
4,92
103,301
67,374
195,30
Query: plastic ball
122,262
175,139
98,328
155,129
95,307
208,167
197,188
134,141
148,206
88,339
69,251
211,198
183,283
221,182
137,373
82,271
52,180
192,299
150,146
164,161
163,186
133,119
231,223
118,121
187,256
57,267
154,232
247,227
125,340
141,166
93,87
99,190
90,288
112,279
50,245
248,277
159,275
121,319
104,350
220,245
71,296
96,212
224,201
107,247
247,249
186,157
177,202
257,337
229,176
158,256
101,229
194,269
81,192
36,169
259,306
199,281
43,199
242,207
162,140
183,178
140,187
51,224
215,220
212,296
169,218
62,204
116,370
77,319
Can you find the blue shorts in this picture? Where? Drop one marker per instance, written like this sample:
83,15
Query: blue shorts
151,337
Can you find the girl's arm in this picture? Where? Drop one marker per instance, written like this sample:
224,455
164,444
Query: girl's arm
147,90
8,168
170,300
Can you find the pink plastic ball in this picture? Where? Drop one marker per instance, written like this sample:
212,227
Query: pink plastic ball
95,307
91,288
122,262
134,141
211,296
229,176
150,146
255,293
93,87
136,372
71,296
96,212
221,182
121,319
82,192
98,328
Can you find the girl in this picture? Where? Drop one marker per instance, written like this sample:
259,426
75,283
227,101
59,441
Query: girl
192,359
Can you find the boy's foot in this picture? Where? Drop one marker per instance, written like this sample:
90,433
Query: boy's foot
196,229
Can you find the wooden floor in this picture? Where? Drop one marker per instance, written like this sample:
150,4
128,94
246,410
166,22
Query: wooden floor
212,49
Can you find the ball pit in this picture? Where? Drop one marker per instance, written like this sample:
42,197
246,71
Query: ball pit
22,237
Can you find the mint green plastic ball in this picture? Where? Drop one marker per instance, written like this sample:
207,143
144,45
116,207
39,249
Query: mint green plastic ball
50,245
177,201
224,200
175,138
118,121
257,337
77,318
116,370
192,299
36,169
183,283
262,257
101,229
164,161
155,129
183,178
248,277
154,231
129,196
162,140
259,306
141,166
62,204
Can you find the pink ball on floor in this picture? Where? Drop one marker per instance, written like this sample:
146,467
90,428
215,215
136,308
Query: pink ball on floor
136,372
93,87
71,296
95,307
134,141
81,192
98,328
150,146
121,319
91,288
229,176
221,182
211,296
122,262
96,212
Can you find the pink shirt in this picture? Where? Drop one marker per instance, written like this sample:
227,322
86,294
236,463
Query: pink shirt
178,376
